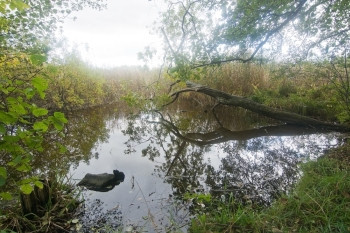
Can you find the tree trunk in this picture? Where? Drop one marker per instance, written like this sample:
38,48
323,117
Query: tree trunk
35,202
286,117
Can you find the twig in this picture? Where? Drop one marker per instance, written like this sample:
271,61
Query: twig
173,84
182,146
215,116
149,209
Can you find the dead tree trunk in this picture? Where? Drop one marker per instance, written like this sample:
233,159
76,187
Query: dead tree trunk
286,117
35,202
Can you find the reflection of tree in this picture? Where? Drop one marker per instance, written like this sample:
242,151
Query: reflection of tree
265,167
257,165
84,130
183,163
254,172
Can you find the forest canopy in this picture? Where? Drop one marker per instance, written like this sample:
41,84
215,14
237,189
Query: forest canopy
32,24
200,33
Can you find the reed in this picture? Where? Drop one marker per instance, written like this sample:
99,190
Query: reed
237,79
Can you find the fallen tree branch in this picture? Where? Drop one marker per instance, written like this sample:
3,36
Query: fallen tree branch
238,101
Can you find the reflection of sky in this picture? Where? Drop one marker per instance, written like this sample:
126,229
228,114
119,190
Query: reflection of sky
148,193
256,154
307,147
130,200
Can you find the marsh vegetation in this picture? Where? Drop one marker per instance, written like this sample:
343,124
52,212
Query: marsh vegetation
192,161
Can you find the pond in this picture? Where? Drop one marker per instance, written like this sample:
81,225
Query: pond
166,156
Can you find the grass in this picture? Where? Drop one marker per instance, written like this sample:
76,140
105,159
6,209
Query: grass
319,203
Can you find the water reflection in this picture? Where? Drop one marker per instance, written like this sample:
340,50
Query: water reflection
83,132
261,169
166,155
254,165
142,202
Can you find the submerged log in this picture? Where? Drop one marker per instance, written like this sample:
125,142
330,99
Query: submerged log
102,182
238,101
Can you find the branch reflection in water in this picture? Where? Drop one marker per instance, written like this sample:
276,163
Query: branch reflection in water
167,155
253,165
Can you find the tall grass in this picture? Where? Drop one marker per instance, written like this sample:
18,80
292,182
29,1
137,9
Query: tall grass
237,79
301,89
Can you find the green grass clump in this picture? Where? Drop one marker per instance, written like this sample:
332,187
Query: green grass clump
227,216
319,203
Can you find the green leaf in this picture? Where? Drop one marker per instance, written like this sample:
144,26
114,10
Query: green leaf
3,172
3,7
63,149
16,105
11,139
57,124
58,120
26,188
38,59
29,92
27,180
60,116
2,129
6,196
39,184
40,84
15,161
40,126
18,4
24,168
40,112
7,118
2,181
18,108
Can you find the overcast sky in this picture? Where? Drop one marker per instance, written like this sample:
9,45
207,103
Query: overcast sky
114,36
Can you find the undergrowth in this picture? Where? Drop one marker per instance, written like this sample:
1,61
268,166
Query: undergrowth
299,91
58,212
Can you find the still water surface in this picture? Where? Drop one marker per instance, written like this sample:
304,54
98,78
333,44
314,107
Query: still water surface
166,155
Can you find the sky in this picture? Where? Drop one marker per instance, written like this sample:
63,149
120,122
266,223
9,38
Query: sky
113,37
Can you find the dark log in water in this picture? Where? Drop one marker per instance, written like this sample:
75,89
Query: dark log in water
102,182
238,101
